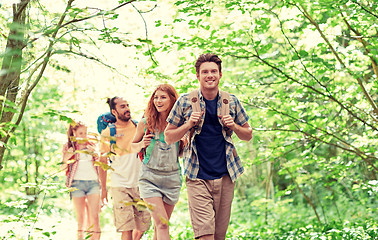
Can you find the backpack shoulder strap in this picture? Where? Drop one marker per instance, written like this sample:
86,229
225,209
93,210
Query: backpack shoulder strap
225,110
135,122
196,107
193,96
147,131
108,117
113,132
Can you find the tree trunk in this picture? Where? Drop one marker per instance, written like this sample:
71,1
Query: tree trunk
11,67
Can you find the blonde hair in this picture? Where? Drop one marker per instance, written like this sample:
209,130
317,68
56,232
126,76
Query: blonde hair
71,128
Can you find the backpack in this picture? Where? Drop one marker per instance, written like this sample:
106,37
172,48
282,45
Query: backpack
225,108
104,120
196,107
108,119
142,152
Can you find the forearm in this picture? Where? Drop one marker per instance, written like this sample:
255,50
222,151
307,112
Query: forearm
173,134
63,167
66,157
136,147
102,173
243,132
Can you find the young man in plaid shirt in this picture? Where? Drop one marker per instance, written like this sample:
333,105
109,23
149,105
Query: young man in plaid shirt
211,164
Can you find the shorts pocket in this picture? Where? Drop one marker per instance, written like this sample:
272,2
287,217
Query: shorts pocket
123,215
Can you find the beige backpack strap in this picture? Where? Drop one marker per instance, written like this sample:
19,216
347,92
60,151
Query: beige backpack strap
225,110
193,96
196,107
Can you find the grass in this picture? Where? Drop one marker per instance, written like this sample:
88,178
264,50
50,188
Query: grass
51,217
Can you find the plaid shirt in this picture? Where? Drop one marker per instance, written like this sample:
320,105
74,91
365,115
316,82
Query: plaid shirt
181,112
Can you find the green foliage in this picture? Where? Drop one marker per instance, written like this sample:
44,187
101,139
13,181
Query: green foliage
303,70
37,34
31,174
254,217
306,75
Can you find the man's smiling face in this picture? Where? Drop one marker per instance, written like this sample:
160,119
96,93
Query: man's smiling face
209,75
122,110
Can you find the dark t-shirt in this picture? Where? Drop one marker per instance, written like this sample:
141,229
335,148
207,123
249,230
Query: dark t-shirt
211,145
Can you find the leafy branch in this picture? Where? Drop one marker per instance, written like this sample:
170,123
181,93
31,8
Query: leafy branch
38,65
364,8
347,147
287,76
146,31
41,71
298,55
81,54
76,20
359,80
365,44
308,199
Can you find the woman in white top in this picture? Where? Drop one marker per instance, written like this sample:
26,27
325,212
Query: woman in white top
82,177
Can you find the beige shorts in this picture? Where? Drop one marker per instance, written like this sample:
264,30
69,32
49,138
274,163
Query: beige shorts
126,216
210,205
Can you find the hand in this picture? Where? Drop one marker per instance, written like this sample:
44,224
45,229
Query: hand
228,121
195,118
91,147
104,196
68,154
147,139
70,150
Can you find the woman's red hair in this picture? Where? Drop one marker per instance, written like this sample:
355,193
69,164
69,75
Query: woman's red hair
154,122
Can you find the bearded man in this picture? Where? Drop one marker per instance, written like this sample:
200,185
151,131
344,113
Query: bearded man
128,220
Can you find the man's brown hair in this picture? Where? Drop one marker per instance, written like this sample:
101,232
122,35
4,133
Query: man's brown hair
208,57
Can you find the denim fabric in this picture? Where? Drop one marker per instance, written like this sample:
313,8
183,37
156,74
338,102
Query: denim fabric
85,188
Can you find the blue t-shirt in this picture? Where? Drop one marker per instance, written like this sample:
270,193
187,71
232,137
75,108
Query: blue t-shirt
211,145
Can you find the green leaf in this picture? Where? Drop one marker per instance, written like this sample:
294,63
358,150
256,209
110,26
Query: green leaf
303,53
144,41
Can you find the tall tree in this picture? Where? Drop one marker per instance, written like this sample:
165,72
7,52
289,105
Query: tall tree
36,34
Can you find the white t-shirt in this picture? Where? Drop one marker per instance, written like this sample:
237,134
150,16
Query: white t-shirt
85,169
126,170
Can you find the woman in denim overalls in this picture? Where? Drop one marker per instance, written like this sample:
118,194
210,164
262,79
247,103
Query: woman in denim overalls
159,179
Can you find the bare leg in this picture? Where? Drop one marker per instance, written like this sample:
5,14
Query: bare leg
137,234
86,216
93,201
207,237
80,205
127,235
161,215
155,233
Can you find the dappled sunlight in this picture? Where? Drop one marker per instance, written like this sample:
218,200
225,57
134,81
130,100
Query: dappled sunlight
305,72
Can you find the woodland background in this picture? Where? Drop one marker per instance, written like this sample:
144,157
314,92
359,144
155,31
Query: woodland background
306,72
